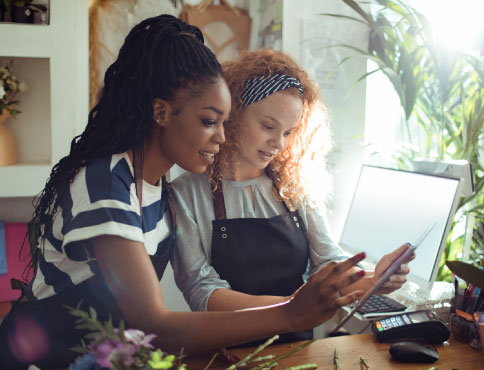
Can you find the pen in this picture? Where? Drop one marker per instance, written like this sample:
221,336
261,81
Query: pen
479,303
459,303
385,276
472,298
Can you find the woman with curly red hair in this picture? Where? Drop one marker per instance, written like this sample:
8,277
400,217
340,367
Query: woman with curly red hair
266,230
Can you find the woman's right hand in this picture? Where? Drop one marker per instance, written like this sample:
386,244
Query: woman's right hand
319,298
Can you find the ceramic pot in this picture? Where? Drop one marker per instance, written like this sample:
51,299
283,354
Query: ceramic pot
8,146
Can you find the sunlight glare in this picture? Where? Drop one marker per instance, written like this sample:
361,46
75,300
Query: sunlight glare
456,25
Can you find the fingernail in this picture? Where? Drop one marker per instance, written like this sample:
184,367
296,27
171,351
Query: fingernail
361,272
410,244
361,255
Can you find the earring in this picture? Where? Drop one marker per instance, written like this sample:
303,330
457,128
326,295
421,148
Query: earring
157,120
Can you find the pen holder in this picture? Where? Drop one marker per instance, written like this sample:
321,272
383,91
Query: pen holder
460,328
467,332
467,317
466,327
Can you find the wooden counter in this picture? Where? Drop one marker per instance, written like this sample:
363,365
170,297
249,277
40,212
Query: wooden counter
456,355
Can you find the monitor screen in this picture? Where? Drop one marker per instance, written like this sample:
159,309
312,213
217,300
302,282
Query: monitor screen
392,207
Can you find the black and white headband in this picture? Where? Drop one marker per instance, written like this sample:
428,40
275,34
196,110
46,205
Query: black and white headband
261,87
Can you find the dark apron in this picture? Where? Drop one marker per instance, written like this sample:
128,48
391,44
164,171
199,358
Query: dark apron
261,256
57,327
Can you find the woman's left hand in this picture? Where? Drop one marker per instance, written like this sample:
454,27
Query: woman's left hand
399,277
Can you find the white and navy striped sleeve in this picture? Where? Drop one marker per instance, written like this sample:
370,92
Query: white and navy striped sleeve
102,201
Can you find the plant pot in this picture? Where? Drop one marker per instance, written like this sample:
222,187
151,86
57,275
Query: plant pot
22,14
8,146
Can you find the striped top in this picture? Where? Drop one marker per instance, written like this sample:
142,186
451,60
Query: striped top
102,201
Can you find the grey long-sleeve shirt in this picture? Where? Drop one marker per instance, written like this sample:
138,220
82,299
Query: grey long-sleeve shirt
193,203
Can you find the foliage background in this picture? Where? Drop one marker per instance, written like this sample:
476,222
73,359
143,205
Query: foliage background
441,93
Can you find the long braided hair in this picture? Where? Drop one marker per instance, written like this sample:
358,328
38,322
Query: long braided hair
160,56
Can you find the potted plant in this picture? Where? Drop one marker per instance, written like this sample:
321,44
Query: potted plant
442,98
9,88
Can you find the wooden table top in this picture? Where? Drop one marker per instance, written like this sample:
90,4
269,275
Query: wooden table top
456,355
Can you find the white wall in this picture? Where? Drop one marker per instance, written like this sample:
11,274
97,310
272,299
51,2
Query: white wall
346,104
345,101
306,35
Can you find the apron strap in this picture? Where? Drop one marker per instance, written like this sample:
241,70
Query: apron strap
219,203
288,203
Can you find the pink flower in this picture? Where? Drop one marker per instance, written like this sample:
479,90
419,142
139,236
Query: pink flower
138,338
108,352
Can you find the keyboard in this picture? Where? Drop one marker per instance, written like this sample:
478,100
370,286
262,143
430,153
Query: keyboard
380,303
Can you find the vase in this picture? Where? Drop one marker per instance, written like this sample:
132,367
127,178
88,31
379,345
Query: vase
8,146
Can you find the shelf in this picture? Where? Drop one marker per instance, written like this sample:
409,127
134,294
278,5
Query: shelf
37,37
53,60
23,180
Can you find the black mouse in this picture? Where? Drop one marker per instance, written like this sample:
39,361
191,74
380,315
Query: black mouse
407,351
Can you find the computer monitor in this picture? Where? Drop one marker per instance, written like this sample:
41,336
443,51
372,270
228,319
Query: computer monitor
391,207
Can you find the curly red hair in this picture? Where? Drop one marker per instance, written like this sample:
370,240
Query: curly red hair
304,146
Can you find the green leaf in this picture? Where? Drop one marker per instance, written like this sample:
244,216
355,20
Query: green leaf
269,363
109,327
341,16
93,313
352,4
408,81
311,366
468,272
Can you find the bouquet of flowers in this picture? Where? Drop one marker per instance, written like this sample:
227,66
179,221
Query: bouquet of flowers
9,88
131,349
118,348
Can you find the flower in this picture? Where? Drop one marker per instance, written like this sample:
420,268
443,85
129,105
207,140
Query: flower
86,362
9,88
158,362
131,349
138,338
112,352
117,348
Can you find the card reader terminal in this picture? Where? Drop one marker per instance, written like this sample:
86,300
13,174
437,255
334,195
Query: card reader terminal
424,324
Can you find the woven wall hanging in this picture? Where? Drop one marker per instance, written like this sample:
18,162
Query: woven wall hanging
226,28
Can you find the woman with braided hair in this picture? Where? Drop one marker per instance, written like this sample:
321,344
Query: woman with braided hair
252,230
103,229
